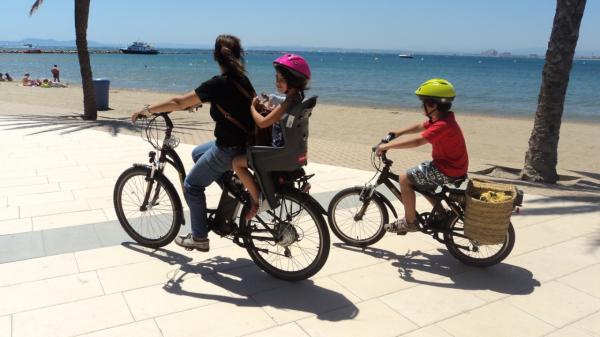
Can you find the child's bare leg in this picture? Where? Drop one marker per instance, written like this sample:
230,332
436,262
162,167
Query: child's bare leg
408,198
240,166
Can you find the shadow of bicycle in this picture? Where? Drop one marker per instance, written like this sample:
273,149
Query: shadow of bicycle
249,286
443,270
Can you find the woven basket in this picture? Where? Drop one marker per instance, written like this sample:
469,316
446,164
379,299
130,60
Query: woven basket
487,222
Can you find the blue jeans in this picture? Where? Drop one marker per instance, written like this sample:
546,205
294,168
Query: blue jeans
210,162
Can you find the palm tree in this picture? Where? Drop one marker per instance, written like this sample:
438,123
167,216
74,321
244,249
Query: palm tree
542,156
82,10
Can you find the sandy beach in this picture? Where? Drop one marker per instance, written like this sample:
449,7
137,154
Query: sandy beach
343,135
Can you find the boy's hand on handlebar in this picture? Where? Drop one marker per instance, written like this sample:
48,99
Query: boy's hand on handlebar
380,150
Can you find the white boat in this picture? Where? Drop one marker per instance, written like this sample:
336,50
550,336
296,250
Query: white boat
140,48
405,56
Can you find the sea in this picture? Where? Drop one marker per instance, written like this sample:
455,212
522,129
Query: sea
494,86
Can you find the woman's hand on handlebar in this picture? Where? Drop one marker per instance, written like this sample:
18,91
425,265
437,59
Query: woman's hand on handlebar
140,114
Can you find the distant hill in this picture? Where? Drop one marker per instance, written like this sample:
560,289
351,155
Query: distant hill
51,43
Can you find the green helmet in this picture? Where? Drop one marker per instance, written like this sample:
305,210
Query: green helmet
437,89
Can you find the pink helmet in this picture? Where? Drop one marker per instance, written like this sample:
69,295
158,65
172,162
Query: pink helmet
295,63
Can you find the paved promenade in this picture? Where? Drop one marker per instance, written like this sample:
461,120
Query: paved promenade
68,269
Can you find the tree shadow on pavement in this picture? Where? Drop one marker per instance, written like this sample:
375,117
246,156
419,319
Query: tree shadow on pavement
71,123
250,286
417,267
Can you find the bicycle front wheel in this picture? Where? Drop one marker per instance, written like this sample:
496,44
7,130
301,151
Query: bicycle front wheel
290,242
153,223
351,227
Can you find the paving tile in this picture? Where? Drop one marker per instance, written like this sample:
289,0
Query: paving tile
429,331
364,319
15,226
398,272
22,246
590,324
48,292
22,181
581,280
68,219
141,274
572,331
110,233
178,295
40,198
51,208
31,189
247,280
545,302
9,212
495,282
73,318
70,239
146,328
496,320
428,304
214,322
304,299
5,326
579,256
288,330
106,257
37,269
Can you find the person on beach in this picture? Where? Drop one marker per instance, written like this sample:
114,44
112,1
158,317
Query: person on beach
292,74
230,96
26,81
55,74
449,151
8,78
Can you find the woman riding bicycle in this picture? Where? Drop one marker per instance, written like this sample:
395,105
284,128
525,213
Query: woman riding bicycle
230,95
449,152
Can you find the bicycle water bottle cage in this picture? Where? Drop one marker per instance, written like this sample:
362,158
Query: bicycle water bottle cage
292,156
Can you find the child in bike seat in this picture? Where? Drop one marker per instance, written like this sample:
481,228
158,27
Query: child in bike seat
449,151
292,74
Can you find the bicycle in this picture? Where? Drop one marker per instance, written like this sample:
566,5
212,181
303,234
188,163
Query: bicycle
357,216
290,241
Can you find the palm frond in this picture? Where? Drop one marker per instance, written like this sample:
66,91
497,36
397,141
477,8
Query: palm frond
35,6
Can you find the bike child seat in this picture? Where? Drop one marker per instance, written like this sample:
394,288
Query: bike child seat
265,160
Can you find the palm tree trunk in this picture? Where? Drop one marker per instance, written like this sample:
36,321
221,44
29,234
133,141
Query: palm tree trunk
82,10
542,157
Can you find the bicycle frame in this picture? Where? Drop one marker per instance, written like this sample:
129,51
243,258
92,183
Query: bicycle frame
167,154
387,177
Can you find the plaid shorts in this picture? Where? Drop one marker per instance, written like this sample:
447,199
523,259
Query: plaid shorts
425,177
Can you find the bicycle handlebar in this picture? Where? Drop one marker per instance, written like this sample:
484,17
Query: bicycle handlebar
384,140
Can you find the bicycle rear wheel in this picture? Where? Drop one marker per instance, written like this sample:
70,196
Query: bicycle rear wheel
290,242
152,225
471,253
359,232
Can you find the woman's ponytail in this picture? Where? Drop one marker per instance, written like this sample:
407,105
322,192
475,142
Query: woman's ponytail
230,55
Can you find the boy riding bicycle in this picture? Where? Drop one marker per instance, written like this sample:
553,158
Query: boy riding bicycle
449,152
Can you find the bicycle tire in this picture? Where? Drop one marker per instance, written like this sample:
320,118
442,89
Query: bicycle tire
461,255
134,225
350,233
322,246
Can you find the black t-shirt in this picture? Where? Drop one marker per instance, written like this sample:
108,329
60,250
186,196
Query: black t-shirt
222,91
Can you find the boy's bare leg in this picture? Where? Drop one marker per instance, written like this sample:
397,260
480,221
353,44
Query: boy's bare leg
408,198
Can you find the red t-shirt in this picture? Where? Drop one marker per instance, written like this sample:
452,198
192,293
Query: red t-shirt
449,149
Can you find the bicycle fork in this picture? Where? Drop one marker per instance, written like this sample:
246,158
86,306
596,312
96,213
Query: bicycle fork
365,196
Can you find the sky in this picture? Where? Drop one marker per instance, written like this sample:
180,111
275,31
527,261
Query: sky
431,26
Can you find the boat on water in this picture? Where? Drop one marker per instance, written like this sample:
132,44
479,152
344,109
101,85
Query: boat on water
406,56
31,49
140,48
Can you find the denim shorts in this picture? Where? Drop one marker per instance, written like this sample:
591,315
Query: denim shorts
426,177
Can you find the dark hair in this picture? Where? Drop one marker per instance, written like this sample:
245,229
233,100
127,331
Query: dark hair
55,65
443,108
293,79
230,55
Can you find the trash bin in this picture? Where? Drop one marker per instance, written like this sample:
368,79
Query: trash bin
101,86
